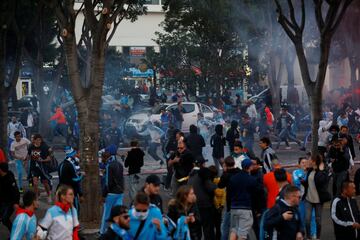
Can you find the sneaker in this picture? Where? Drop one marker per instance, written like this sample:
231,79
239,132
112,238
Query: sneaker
161,162
288,148
303,149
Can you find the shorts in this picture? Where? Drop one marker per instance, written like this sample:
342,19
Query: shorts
39,171
241,221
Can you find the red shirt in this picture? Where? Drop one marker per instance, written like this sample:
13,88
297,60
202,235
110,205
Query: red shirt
59,117
2,156
272,188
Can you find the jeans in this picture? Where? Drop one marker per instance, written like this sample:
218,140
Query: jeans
225,225
111,200
308,215
152,150
338,179
178,125
19,170
306,138
284,135
133,182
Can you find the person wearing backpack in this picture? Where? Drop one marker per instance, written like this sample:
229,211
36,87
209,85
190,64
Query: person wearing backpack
316,193
284,217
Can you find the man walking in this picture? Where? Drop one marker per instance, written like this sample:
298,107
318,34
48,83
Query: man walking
242,189
345,213
268,155
14,126
19,151
113,188
284,217
182,161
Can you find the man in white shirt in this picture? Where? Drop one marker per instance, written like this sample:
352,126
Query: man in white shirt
19,151
13,126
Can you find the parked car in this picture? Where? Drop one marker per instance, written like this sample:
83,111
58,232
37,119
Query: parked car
136,122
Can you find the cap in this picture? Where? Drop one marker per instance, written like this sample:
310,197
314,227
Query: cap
69,151
154,179
246,163
117,211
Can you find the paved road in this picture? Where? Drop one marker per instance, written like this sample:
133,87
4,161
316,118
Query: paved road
151,166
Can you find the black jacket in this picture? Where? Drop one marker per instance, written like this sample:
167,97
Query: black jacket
68,176
217,142
110,235
345,212
203,187
195,143
134,160
114,178
286,230
340,159
184,166
224,183
321,179
232,134
9,192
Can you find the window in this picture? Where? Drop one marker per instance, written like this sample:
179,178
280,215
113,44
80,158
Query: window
205,109
152,2
188,108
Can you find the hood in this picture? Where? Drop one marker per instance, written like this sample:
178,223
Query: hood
267,110
112,149
219,129
234,124
193,129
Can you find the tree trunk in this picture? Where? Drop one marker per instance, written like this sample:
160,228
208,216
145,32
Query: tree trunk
274,85
353,66
315,102
3,122
289,62
88,117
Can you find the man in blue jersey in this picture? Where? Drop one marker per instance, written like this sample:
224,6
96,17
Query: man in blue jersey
24,225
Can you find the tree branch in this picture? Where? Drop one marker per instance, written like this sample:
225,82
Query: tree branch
303,16
284,22
19,48
89,15
318,14
292,16
337,21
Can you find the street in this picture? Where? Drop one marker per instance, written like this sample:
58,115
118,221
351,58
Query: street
286,157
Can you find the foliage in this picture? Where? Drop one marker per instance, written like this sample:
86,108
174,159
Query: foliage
201,34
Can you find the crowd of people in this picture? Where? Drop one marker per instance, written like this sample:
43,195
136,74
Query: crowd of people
240,196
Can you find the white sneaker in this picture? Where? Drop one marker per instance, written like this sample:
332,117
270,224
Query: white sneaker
288,148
